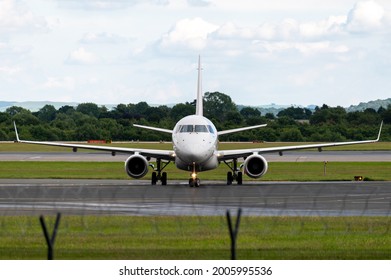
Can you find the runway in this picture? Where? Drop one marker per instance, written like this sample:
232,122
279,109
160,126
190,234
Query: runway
292,156
137,197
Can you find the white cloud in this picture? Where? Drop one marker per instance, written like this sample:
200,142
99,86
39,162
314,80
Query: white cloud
164,94
306,48
16,17
102,38
12,54
190,33
230,30
366,16
10,70
67,83
198,3
108,4
286,30
81,56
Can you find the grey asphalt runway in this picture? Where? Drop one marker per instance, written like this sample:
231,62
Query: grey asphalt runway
137,197
293,156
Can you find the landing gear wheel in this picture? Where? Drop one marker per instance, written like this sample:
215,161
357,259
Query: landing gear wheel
239,178
164,178
194,183
154,178
230,178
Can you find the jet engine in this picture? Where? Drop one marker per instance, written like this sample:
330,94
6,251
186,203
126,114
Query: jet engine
136,166
255,166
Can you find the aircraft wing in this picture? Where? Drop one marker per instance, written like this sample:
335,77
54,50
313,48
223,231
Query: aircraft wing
158,154
234,154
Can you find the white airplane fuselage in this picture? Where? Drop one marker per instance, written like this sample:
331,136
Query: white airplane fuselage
195,141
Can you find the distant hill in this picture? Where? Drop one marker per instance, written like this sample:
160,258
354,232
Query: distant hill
33,106
371,104
5,104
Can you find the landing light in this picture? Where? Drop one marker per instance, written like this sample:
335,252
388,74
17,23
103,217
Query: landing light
193,175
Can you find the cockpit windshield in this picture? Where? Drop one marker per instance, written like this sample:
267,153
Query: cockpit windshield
186,128
195,128
201,128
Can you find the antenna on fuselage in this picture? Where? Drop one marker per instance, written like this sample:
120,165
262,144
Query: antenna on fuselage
199,103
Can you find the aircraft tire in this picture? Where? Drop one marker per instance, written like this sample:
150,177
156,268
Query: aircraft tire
164,178
230,178
239,179
154,178
194,183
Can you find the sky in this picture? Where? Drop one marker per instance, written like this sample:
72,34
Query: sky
302,52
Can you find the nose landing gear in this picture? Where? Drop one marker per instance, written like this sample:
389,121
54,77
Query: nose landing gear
194,182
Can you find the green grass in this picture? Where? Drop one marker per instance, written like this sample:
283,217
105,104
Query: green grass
110,237
278,171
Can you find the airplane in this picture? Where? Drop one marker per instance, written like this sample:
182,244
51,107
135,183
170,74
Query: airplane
195,149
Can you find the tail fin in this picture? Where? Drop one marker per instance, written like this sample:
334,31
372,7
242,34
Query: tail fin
199,104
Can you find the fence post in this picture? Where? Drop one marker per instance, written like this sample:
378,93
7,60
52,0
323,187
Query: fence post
50,239
233,232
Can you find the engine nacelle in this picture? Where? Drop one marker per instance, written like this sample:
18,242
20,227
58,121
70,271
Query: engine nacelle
255,166
136,166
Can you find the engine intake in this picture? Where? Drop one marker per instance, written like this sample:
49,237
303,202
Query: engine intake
136,166
255,166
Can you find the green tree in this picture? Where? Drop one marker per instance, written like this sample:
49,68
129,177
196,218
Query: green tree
90,109
386,115
328,115
68,110
43,133
3,135
47,113
296,113
218,106
181,110
291,134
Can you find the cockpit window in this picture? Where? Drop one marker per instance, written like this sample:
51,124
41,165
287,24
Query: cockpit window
200,128
194,128
210,128
187,128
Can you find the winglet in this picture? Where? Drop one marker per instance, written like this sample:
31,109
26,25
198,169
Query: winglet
199,104
378,136
16,132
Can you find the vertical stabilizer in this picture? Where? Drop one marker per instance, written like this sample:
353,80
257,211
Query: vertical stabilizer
199,104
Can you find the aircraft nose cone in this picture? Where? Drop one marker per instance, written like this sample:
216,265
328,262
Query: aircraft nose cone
195,153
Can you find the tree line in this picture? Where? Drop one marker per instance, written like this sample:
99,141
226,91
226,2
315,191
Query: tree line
88,121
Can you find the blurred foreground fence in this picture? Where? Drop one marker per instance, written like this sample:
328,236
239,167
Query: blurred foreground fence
132,220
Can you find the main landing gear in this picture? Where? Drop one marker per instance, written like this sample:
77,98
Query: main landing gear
158,175
235,174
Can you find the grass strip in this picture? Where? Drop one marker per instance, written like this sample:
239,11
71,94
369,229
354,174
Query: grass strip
108,237
278,171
